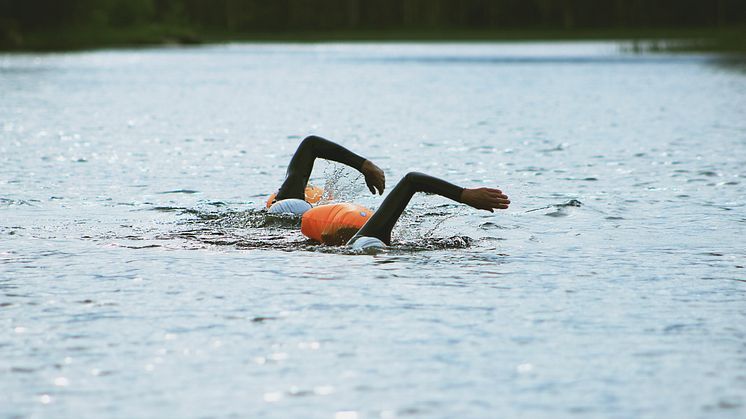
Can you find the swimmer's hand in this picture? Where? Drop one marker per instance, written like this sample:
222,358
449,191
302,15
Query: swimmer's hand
374,177
485,198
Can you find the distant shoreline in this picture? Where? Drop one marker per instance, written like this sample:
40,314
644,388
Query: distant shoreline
719,40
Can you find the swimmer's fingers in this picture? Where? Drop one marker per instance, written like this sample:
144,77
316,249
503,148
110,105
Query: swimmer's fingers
374,177
381,184
500,201
487,199
376,183
496,193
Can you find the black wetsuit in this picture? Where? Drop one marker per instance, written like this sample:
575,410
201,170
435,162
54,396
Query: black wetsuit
299,170
383,220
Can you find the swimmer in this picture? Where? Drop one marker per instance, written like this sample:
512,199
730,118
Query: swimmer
355,225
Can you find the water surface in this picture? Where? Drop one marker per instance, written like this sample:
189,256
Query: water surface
138,277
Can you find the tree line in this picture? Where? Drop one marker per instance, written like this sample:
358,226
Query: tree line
266,16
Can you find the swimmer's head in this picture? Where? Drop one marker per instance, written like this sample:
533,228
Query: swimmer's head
365,243
290,206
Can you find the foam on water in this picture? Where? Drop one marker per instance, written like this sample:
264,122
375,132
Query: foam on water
258,229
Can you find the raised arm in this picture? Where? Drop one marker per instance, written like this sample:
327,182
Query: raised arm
312,147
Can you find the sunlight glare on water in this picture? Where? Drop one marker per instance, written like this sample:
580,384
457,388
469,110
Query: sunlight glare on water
140,278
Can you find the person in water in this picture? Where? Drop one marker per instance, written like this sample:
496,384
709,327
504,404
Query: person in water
355,225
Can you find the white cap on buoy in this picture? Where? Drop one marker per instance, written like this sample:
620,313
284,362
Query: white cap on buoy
290,206
367,243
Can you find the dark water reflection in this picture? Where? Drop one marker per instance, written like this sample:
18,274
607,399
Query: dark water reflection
732,62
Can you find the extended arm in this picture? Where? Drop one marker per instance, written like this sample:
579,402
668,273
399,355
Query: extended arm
383,220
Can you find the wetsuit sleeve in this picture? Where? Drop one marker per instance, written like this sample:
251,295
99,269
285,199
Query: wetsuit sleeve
384,219
433,185
332,151
299,169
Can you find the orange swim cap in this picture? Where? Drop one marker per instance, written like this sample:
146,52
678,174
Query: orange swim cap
313,195
334,223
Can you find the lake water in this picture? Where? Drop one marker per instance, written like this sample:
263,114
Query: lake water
138,277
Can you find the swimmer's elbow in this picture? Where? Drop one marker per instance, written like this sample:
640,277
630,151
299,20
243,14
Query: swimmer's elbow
311,140
414,177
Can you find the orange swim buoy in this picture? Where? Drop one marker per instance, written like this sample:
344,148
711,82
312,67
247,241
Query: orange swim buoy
313,195
334,223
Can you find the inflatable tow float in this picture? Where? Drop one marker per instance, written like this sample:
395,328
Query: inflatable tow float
332,224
